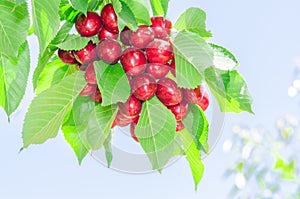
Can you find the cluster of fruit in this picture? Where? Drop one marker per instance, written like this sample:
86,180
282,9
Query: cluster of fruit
146,56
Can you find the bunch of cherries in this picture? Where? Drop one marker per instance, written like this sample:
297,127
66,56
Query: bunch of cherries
146,56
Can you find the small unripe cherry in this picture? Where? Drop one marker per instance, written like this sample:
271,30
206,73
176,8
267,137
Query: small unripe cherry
90,74
179,110
143,86
109,50
168,92
132,107
106,34
159,51
109,18
142,37
125,36
157,70
87,54
89,25
133,61
88,90
66,56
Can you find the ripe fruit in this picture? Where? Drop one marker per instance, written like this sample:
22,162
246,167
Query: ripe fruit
109,18
106,34
142,37
162,27
87,54
143,86
122,120
132,129
132,107
179,126
157,70
159,51
90,74
173,67
66,56
88,90
180,110
89,25
133,61
168,92
197,96
204,101
125,36
109,50
96,96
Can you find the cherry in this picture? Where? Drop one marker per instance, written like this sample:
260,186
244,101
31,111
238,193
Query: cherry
106,34
192,95
179,126
132,107
142,37
132,129
66,56
88,90
158,70
125,36
168,92
109,50
122,120
173,67
162,27
89,25
109,18
87,54
96,96
133,61
143,86
90,74
159,51
204,101
180,110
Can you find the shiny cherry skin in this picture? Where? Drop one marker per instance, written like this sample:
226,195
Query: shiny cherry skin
106,34
143,86
87,54
66,56
132,107
88,25
133,61
157,70
125,36
142,37
168,92
88,90
109,18
204,101
132,129
159,51
109,50
96,96
90,75
192,95
122,120
179,110
179,126
173,67
162,27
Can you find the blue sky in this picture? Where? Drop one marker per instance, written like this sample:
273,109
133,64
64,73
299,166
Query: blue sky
264,35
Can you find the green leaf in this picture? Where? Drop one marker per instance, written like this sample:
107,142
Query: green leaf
159,7
45,21
80,5
53,73
47,110
197,125
62,34
14,74
156,132
230,90
113,84
192,56
193,20
125,15
74,42
67,12
193,156
108,151
73,137
223,58
288,169
20,1
140,10
14,25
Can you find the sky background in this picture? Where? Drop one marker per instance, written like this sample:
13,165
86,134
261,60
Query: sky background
263,34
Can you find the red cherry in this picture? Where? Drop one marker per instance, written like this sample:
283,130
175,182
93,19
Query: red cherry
168,92
133,61
142,37
96,96
179,126
132,107
109,50
66,56
158,70
192,95
109,18
159,51
132,129
162,27
173,67
180,110
143,86
87,54
122,120
90,74
203,102
106,34
89,25
88,90
125,36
